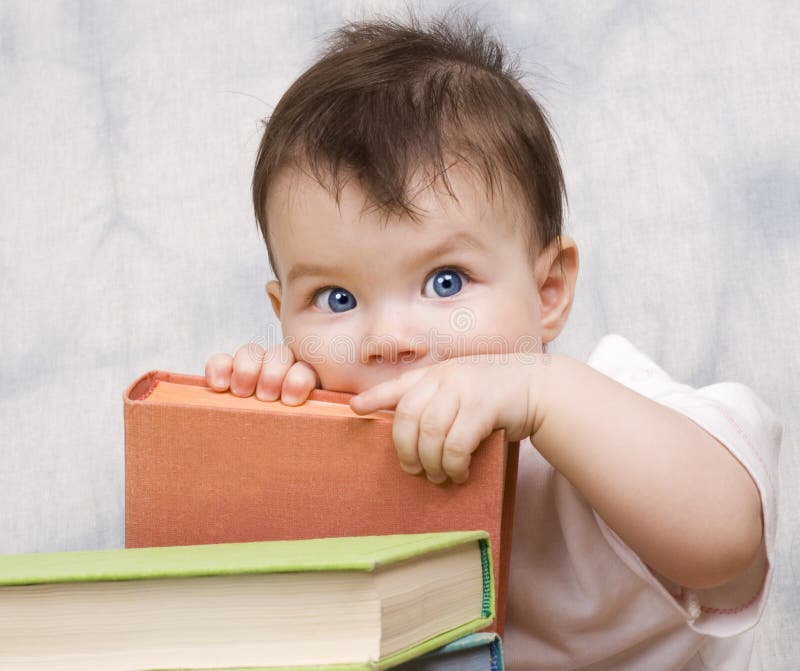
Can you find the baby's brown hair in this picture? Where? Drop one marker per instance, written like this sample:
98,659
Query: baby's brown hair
386,98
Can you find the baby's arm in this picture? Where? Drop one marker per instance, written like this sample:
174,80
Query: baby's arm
674,494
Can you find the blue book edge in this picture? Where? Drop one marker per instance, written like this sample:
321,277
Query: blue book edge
475,640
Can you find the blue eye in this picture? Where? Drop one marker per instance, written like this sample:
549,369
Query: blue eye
446,282
339,300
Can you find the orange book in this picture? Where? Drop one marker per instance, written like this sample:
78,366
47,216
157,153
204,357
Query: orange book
203,466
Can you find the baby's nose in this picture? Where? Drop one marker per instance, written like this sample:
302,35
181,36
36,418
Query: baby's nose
394,339
393,354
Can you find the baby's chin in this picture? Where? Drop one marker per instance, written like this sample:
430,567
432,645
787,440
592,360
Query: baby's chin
354,388
355,384
343,383
356,379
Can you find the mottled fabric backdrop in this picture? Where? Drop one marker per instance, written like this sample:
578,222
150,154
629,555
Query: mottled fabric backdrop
127,241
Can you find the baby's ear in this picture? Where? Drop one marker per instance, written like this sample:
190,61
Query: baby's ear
273,288
558,275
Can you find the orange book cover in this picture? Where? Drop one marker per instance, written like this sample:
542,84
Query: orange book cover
203,466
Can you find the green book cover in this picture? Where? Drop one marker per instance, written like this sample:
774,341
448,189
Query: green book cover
361,554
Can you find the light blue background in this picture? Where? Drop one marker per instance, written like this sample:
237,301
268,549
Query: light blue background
127,241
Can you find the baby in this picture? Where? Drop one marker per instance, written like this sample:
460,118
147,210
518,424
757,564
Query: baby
410,194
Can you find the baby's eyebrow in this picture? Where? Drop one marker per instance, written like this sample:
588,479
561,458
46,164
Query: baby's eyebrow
460,240
309,269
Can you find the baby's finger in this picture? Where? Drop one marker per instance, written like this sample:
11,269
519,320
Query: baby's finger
218,371
434,424
469,428
405,424
298,383
246,368
277,361
386,394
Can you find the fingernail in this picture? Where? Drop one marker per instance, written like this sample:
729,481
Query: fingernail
216,381
411,470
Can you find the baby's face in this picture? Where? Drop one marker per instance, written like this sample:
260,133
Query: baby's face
362,300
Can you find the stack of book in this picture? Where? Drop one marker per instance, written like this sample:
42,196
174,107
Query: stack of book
266,536
368,602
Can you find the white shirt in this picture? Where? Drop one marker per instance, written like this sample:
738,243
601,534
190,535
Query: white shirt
579,598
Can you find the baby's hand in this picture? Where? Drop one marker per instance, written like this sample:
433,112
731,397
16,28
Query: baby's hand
273,374
443,411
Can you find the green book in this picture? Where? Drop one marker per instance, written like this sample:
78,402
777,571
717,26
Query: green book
369,602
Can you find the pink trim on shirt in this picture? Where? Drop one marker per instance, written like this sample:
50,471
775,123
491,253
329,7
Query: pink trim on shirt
683,595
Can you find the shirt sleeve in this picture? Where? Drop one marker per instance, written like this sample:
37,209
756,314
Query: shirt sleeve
742,422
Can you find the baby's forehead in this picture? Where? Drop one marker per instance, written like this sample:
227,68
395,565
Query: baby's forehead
462,194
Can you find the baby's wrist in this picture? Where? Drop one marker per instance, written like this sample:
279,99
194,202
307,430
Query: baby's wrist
544,370
540,367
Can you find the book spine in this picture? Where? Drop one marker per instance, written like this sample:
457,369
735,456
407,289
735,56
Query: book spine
487,609
506,531
496,655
